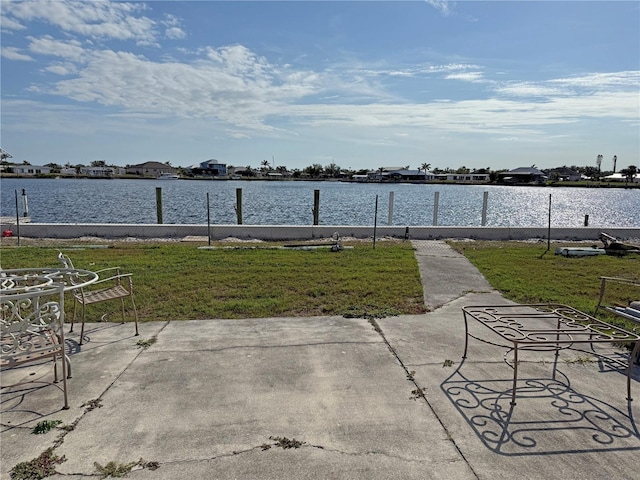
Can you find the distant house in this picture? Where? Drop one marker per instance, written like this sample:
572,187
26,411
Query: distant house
620,177
99,172
209,167
240,172
28,170
150,169
463,177
396,174
565,174
522,175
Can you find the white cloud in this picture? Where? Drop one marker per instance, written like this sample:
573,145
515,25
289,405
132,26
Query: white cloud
175,33
95,19
62,69
10,24
529,90
441,5
601,80
13,53
70,50
596,82
474,77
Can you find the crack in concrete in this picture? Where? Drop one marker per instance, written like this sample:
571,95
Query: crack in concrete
71,427
421,393
289,345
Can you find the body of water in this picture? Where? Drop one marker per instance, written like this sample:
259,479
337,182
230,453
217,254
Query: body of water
291,203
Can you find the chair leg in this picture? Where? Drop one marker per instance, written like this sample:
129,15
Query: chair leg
73,319
64,381
84,318
135,313
68,360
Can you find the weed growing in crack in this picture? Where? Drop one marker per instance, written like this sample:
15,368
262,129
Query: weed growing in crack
149,465
418,393
113,469
119,470
580,360
370,312
40,467
285,443
410,375
146,342
92,405
447,363
45,426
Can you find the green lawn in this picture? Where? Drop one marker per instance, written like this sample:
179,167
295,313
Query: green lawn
177,281
523,272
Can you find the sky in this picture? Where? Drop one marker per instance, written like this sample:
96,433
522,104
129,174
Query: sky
364,85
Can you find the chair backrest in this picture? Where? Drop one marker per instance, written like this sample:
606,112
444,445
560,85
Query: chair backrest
71,277
65,260
27,313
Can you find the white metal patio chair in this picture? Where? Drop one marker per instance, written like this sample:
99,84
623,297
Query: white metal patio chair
31,329
114,286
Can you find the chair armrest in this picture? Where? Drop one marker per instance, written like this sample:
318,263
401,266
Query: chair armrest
106,269
115,278
618,280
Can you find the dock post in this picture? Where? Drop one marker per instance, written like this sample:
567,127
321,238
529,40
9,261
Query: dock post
375,223
436,199
316,207
239,205
390,221
17,218
159,204
208,221
485,201
25,204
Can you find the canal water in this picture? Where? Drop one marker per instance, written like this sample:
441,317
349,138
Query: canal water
292,202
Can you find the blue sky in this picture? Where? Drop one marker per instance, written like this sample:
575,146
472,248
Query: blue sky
361,84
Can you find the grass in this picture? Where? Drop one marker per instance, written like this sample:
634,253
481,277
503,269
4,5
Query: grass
177,281
524,273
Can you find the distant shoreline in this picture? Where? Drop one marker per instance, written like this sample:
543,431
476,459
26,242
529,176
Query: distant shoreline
579,184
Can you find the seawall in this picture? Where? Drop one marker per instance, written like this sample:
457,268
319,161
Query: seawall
305,232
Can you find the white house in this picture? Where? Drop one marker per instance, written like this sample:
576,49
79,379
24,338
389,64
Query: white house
619,177
28,169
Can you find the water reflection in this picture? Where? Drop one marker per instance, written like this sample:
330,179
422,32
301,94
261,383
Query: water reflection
291,203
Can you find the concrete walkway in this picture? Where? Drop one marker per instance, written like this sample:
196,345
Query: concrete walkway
326,398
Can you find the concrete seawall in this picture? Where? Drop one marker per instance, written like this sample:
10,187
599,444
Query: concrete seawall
305,232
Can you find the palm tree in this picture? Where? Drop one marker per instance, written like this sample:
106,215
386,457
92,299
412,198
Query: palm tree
629,173
425,167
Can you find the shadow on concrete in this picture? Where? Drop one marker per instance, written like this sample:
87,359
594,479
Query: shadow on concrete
550,417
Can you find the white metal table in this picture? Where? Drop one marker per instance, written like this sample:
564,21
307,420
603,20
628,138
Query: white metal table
550,327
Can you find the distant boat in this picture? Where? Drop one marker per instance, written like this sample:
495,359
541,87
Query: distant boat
168,176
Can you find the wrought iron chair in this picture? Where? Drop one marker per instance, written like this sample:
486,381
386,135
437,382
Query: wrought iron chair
31,321
115,286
